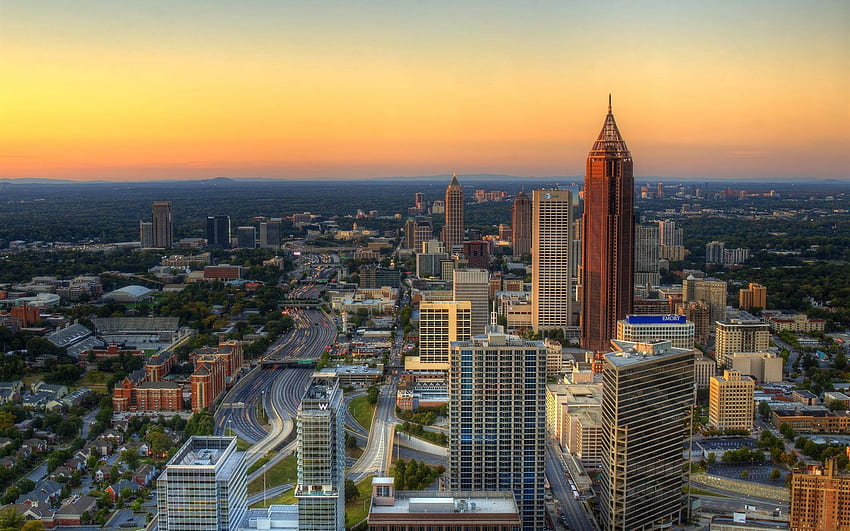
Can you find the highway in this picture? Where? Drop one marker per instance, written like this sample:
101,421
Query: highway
577,517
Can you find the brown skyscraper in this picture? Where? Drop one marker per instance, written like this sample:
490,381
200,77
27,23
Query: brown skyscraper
521,224
453,229
163,224
608,225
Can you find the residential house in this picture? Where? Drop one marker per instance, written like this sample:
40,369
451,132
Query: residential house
45,492
144,475
71,513
117,488
33,446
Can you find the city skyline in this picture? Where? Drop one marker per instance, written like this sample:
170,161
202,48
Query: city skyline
171,91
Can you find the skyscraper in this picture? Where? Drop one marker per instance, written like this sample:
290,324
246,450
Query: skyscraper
473,285
521,225
203,486
754,296
730,401
440,323
270,234
163,224
552,259
647,395
739,335
453,229
608,238
218,232
496,439
710,290
146,234
246,237
320,490
646,256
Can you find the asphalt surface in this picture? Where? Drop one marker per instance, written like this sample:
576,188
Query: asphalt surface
577,517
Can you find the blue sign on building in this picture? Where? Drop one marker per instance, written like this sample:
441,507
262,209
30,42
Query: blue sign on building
655,319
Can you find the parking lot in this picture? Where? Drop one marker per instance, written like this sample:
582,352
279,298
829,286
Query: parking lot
756,473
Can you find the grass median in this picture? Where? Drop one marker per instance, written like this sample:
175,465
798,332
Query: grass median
362,411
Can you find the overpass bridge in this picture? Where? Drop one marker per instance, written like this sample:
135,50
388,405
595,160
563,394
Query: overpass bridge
280,363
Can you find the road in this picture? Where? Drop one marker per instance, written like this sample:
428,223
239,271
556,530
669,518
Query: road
577,517
374,455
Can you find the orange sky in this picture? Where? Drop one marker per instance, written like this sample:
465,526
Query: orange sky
105,90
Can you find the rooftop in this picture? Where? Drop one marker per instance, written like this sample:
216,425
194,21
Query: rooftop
203,451
447,502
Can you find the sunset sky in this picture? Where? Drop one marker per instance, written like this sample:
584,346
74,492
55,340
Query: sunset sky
198,89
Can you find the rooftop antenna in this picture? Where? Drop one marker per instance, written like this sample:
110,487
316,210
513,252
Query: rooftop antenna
609,103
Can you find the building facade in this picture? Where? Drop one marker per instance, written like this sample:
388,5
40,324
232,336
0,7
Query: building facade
730,401
712,291
218,232
320,490
754,296
203,486
496,440
647,398
453,229
163,225
552,260
608,237
739,335
270,234
647,251
646,328
820,498
246,237
440,323
521,215
473,285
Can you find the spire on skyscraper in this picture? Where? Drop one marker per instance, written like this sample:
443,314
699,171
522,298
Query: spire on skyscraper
454,181
610,142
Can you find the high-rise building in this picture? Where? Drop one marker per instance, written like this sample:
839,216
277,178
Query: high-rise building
647,251
755,296
203,486
218,232
496,440
552,259
270,234
163,225
423,231
608,239
699,313
246,237
473,285
419,200
146,234
739,335
453,229
440,323
820,498
521,225
646,328
714,252
712,291
320,490
671,241
648,391
730,401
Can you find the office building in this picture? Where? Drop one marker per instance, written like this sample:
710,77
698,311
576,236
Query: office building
320,490
473,285
765,367
477,253
372,276
146,234
163,225
552,259
453,229
710,290
521,213
648,393
218,232
730,401
608,237
423,231
496,439
739,335
440,323
704,370
645,328
246,237
270,234
820,498
419,201
647,251
203,486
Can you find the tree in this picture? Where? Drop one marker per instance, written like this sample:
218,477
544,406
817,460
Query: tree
351,491
764,410
775,474
10,519
745,474
837,405
372,394
33,525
